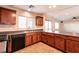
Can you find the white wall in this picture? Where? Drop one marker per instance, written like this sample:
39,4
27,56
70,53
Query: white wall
71,27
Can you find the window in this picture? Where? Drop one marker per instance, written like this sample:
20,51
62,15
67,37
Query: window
56,27
25,22
22,22
48,26
30,23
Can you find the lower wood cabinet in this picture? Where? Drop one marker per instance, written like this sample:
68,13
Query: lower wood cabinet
34,37
39,38
72,46
51,39
48,38
44,38
28,39
60,42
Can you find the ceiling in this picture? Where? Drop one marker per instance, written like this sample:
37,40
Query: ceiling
60,12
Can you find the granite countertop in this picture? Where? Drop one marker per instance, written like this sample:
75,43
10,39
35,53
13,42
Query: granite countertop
66,33
13,31
69,34
16,30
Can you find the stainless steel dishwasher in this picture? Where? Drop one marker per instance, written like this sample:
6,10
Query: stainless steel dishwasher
3,43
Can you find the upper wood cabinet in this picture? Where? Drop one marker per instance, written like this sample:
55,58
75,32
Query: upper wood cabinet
7,16
39,21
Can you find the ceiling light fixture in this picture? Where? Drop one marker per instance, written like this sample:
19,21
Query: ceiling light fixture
30,7
54,6
50,6
74,18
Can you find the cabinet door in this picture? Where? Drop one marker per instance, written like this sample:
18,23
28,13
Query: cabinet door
39,21
39,36
34,38
72,46
44,38
60,43
51,40
28,40
8,16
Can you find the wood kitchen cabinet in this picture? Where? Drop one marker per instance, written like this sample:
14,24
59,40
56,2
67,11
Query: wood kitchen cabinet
48,38
51,40
28,39
72,45
31,38
60,42
39,38
34,37
44,38
7,16
39,21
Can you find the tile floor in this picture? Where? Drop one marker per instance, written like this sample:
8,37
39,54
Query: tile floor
39,48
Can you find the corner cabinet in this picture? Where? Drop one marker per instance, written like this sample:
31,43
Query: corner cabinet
32,38
48,38
44,37
39,21
7,16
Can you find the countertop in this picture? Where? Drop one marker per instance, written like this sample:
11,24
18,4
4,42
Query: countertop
13,31
17,31
66,33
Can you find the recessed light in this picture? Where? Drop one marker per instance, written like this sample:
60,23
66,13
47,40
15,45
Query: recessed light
50,6
54,6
